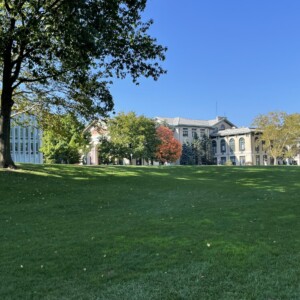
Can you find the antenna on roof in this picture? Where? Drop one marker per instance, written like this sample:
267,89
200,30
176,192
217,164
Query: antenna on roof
216,109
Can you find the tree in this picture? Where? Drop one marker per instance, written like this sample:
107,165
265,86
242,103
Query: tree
133,136
108,151
280,134
188,155
169,149
206,150
61,55
63,137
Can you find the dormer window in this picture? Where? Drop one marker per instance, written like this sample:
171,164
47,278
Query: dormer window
222,127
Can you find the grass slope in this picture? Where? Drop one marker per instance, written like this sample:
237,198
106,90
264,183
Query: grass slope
70,232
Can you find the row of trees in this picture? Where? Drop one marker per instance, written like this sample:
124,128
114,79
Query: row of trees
138,137
130,136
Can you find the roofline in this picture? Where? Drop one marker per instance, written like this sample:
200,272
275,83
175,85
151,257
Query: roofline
219,134
226,120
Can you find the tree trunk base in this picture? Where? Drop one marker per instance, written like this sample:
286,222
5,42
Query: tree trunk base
9,165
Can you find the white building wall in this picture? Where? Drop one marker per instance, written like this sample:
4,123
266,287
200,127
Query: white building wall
25,141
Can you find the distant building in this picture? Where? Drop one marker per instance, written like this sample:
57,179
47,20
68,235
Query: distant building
25,141
229,144
98,130
238,146
186,129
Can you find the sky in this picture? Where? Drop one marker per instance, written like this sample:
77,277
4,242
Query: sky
228,58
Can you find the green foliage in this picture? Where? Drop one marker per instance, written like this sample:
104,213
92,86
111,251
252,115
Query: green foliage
188,155
73,47
206,151
279,134
108,151
132,134
198,152
62,55
63,138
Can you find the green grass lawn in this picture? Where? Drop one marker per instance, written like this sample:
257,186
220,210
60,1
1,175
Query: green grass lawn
71,232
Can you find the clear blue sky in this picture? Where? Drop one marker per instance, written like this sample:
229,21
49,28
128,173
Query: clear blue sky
242,55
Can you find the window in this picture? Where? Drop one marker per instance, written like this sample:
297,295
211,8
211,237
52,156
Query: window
202,132
242,144
194,132
233,160
263,145
37,147
222,127
242,160
257,160
231,145
16,133
256,142
185,131
214,147
26,148
223,146
223,160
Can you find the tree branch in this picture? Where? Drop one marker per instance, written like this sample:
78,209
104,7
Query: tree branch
25,110
8,8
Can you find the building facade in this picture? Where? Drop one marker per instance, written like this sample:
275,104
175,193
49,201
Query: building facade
229,144
186,129
25,141
238,146
97,130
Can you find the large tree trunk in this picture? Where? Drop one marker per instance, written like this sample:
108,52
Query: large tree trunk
5,155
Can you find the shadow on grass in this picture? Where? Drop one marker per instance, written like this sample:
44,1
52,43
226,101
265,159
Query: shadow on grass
272,178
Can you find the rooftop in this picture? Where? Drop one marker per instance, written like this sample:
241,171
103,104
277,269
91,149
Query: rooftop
189,122
235,131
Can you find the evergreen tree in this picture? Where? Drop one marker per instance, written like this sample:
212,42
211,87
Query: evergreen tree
206,151
187,156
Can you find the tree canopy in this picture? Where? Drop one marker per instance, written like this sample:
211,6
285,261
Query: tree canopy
63,138
280,134
169,149
61,56
131,136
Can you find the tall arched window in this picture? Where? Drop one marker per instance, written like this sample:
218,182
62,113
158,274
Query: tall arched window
242,144
231,145
214,147
223,146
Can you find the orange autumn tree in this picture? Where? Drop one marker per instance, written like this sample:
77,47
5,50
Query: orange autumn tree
169,149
